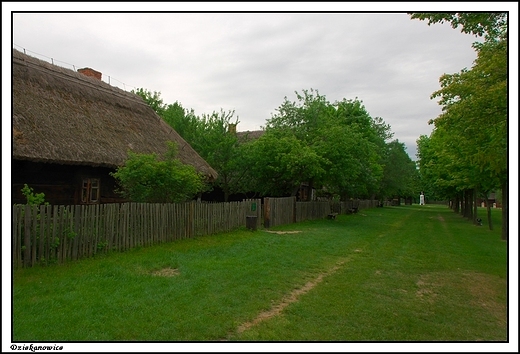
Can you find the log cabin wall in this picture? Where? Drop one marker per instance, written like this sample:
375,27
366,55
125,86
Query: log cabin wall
62,184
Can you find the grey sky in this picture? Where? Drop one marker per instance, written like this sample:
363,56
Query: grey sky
248,62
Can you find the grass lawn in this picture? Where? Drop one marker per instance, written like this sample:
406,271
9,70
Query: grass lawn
393,274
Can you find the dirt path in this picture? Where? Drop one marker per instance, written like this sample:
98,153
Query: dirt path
291,298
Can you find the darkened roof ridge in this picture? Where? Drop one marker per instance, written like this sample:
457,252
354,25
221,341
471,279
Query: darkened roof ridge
67,74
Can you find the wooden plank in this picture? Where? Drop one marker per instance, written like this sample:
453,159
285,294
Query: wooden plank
132,220
70,234
76,252
164,222
114,225
102,227
48,232
117,225
41,241
174,222
267,212
16,237
27,236
141,224
145,224
89,241
94,231
89,214
122,227
59,234
126,226
109,225
157,223
53,246
66,233
34,233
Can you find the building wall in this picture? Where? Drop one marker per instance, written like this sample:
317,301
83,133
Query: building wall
61,184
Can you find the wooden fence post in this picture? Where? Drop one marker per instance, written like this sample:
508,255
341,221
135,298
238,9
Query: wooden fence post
27,235
267,213
294,210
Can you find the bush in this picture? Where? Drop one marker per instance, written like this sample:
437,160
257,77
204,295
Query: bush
147,178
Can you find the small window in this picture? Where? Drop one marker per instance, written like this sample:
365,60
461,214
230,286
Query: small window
90,191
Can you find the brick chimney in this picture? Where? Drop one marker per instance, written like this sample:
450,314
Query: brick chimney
232,128
90,72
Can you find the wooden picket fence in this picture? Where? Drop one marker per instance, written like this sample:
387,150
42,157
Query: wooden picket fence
57,234
49,234
280,211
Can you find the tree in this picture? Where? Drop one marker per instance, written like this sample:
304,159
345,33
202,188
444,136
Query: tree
399,173
348,142
148,178
208,135
490,25
278,163
153,99
218,145
473,124
185,122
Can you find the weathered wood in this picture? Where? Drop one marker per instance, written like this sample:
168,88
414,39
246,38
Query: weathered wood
267,213
77,231
27,236
16,237
55,225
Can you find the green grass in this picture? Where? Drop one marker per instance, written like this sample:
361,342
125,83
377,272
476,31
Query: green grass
409,273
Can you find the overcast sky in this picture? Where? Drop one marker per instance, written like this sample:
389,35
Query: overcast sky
248,62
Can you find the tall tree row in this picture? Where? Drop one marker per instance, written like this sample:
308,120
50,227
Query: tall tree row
467,153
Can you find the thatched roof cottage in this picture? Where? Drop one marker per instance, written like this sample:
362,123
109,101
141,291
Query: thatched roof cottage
70,129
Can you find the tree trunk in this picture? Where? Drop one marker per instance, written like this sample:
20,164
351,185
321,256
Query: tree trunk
456,204
475,206
225,187
294,192
309,191
463,203
488,208
505,206
468,196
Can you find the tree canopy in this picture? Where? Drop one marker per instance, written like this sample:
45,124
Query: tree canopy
468,147
337,148
158,179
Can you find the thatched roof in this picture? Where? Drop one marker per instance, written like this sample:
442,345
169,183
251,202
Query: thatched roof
62,116
250,135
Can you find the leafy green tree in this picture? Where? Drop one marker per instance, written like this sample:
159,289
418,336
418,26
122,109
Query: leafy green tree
472,130
185,122
148,178
347,140
400,172
371,135
153,99
434,180
208,135
217,143
277,164
490,25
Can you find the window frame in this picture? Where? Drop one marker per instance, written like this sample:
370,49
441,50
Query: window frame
88,187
